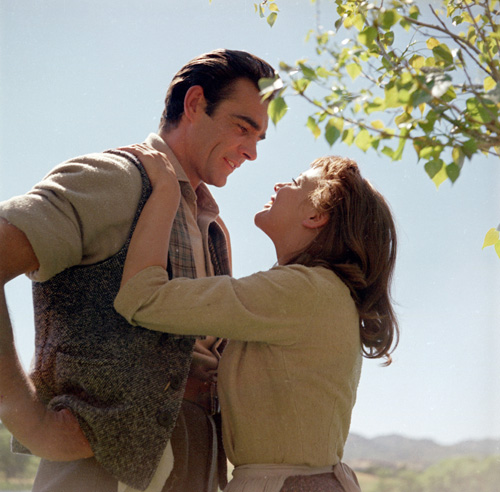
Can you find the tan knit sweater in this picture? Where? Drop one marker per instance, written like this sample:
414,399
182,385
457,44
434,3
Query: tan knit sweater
289,375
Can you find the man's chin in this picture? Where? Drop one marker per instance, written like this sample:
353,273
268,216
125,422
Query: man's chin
220,182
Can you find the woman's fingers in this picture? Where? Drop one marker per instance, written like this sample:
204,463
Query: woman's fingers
156,163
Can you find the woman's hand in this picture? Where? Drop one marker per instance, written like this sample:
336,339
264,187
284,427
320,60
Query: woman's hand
160,171
149,243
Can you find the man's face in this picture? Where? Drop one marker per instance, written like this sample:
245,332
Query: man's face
220,143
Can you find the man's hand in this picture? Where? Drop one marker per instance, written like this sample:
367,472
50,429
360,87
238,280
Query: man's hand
55,435
60,438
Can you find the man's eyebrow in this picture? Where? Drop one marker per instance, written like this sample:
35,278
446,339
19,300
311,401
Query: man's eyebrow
252,123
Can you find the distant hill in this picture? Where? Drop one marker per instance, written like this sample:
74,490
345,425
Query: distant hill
397,451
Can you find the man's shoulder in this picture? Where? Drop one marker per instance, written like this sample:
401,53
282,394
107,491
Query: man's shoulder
108,159
107,166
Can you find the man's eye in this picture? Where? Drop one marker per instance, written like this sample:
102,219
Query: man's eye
243,129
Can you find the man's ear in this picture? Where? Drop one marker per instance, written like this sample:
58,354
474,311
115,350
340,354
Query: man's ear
194,101
315,220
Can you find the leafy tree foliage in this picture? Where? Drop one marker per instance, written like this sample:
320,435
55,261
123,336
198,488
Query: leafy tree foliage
14,465
453,475
392,74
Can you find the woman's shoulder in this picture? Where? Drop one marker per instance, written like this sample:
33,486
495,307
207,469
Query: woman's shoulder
315,274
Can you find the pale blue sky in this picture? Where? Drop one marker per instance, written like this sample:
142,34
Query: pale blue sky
80,77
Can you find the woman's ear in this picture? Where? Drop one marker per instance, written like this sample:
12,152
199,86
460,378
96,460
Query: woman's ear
316,220
194,101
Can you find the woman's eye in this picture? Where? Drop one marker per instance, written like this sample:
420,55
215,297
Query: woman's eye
295,182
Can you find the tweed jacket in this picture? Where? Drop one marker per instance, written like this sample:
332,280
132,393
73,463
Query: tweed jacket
125,384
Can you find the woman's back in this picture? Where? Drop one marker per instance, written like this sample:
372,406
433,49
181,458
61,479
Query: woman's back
288,399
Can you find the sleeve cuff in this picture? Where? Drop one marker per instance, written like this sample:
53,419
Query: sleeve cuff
137,290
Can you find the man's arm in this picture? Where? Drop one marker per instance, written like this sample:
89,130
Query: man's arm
52,435
16,254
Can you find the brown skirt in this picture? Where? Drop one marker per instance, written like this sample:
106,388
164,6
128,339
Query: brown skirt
292,478
324,482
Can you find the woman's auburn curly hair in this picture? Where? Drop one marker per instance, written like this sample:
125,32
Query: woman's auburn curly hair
359,244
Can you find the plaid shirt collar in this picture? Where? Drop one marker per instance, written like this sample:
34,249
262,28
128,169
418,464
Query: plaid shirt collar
181,261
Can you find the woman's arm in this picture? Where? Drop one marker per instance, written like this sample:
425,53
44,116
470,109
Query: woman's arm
273,306
149,243
55,435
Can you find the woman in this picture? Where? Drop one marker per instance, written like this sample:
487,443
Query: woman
289,374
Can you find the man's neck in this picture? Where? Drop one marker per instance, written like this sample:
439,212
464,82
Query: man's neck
175,140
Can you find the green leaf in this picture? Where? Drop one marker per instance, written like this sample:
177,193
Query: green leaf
453,172
353,69
427,152
405,24
277,109
358,22
388,152
414,12
273,7
458,156
337,123
489,84
323,72
432,43
313,126
377,104
402,118
398,153
469,148
403,96
420,97
271,18
407,79
428,123
332,134
363,140
389,38
443,53
388,18
478,111
497,248
436,170
300,85
417,62
353,20
348,136
285,67
269,86
433,167
307,71
367,36
392,97
492,236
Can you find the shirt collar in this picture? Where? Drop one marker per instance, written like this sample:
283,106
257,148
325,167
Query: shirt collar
204,198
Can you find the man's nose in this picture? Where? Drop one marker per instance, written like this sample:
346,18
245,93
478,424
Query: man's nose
249,150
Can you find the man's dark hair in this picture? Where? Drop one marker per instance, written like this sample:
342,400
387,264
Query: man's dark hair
215,72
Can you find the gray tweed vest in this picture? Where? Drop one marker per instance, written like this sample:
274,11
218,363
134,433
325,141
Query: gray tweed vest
124,383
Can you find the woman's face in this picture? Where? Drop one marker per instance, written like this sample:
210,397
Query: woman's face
287,210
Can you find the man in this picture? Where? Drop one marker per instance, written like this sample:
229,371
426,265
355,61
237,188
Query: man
128,388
